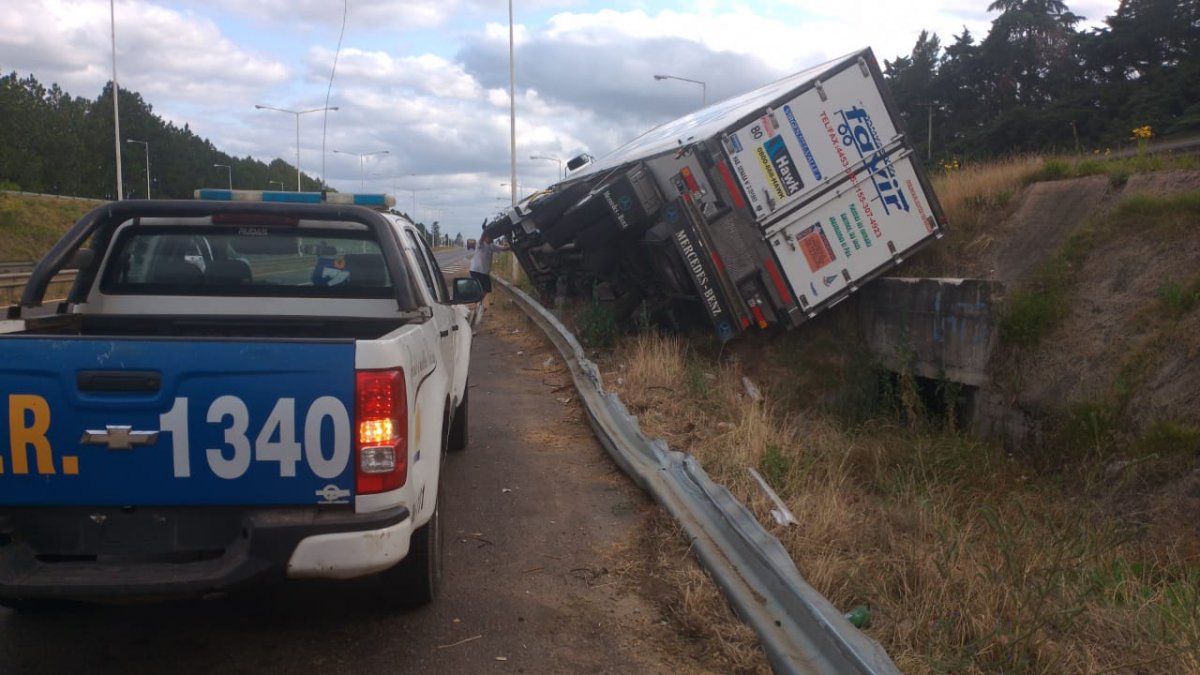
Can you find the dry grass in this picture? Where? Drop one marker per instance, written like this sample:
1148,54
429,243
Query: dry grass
973,196
674,580
968,563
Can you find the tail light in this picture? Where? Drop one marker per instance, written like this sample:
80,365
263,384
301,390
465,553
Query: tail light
381,417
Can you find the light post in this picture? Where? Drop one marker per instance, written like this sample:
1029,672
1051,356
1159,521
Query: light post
297,113
276,182
552,159
362,156
112,19
147,146
228,169
703,86
929,148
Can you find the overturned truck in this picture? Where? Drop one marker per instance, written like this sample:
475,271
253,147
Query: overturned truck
756,212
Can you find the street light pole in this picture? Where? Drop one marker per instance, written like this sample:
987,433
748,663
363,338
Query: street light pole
228,169
552,159
512,104
703,86
297,113
147,145
929,138
361,157
276,182
116,91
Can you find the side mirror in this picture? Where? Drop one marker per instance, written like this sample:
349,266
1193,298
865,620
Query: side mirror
81,259
467,290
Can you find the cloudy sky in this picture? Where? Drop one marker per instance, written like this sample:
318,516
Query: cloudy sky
427,80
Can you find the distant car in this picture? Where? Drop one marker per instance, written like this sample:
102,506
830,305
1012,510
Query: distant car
470,244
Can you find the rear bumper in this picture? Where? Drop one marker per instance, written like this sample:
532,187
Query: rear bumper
108,554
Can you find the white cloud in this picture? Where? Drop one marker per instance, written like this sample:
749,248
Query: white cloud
327,14
164,54
423,73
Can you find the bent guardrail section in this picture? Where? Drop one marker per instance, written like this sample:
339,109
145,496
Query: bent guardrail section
800,630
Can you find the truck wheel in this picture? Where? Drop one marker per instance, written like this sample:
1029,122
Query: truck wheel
415,581
456,437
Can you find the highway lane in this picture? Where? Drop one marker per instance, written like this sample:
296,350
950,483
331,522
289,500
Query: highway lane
538,523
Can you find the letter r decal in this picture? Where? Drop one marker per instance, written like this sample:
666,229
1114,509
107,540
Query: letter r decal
22,435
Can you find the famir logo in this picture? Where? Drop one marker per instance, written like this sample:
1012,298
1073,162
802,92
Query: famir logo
857,131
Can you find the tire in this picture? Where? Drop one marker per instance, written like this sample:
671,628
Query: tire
417,579
456,436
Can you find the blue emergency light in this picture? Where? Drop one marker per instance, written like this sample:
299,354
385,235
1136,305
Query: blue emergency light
373,200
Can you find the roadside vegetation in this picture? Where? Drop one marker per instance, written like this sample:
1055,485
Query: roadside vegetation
1078,554
969,558
29,226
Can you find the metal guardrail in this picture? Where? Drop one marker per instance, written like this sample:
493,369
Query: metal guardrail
39,194
12,283
800,630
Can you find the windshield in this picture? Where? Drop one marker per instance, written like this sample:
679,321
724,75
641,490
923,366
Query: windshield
260,261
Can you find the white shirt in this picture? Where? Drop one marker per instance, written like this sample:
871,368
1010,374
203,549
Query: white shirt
482,260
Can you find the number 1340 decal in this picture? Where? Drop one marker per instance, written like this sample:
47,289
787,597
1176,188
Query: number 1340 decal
275,441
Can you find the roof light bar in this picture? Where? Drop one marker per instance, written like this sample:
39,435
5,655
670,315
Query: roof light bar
373,200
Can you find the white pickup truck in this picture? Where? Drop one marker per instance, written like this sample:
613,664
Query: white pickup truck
236,387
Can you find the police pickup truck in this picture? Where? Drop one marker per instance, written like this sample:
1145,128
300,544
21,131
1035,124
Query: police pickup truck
244,386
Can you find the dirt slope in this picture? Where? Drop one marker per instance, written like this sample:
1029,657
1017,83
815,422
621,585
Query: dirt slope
1116,348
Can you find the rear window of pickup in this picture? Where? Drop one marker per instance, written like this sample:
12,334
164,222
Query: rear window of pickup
246,261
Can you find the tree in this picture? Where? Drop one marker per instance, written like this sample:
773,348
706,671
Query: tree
1029,51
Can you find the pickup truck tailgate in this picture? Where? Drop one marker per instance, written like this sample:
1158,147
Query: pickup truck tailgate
176,422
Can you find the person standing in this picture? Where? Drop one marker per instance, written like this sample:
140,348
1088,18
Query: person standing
481,262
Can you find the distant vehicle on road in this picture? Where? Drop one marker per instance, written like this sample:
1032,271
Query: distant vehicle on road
470,244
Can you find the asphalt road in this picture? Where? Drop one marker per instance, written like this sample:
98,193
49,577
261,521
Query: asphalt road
538,524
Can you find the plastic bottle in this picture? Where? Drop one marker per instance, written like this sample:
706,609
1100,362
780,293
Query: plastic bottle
859,617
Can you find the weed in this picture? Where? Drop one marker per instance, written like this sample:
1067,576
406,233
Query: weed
1168,438
597,323
1152,211
1086,428
1090,167
1051,169
1033,312
1030,315
1177,299
949,393
697,380
1043,590
775,466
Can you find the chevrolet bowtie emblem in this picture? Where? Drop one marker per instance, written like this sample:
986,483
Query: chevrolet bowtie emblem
118,437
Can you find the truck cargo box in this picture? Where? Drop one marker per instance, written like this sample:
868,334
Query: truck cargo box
778,203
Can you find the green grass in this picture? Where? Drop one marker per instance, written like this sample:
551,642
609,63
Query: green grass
1117,169
1177,299
1036,309
596,323
29,226
1166,438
